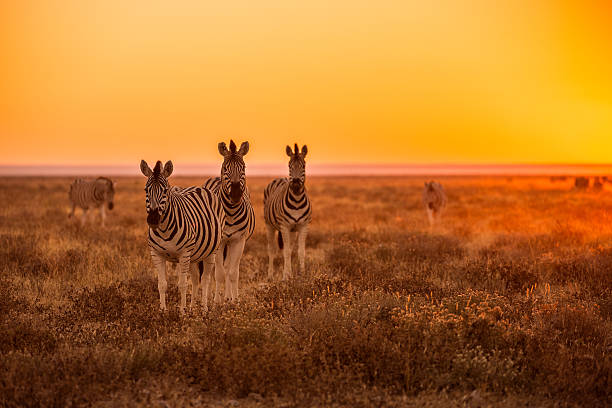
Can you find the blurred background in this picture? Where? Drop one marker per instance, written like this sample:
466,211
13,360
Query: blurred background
395,87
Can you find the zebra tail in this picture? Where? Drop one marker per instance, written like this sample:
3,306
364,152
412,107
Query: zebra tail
201,268
224,253
280,240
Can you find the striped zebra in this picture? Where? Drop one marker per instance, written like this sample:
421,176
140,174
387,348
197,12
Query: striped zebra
97,193
185,227
288,211
239,225
434,200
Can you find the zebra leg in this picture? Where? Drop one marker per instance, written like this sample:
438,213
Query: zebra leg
286,252
234,254
72,211
294,236
226,271
438,216
162,284
220,274
209,266
184,265
302,233
294,241
195,284
84,216
272,248
430,217
103,215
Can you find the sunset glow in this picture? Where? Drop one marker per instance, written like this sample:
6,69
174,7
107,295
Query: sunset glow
441,81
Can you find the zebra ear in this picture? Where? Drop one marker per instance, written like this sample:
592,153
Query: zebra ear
289,151
145,169
222,149
244,148
304,150
168,167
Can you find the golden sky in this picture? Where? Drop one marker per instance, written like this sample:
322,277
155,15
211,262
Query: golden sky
390,81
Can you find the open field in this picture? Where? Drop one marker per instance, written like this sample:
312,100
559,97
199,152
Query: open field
508,302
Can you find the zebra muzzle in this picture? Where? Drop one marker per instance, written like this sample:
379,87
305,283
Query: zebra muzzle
235,192
153,219
296,185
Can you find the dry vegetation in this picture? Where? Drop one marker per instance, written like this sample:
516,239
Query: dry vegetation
508,303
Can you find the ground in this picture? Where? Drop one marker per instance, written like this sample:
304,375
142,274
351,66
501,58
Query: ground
507,302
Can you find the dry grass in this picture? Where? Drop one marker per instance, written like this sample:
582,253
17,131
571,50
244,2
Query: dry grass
508,303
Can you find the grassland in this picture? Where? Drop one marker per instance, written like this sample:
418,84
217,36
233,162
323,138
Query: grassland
508,303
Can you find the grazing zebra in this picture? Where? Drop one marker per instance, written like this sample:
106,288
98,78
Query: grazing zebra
97,194
185,227
434,200
287,210
239,224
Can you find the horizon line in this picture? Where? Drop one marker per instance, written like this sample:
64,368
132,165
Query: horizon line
323,169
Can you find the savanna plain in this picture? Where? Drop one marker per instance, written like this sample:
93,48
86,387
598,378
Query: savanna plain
508,302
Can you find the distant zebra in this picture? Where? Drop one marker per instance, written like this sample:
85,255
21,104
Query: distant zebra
185,227
597,184
239,216
581,183
434,200
97,193
288,211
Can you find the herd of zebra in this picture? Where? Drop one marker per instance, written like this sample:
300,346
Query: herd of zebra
203,229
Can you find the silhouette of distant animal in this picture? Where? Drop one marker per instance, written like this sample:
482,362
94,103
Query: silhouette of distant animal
581,183
434,200
597,184
98,193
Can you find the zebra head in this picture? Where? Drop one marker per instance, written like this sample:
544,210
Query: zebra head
108,190
432,186
233,178
156,189
297,168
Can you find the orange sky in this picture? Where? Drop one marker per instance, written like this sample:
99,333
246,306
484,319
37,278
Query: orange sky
508,81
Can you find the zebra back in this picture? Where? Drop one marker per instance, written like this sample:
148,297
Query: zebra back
94,193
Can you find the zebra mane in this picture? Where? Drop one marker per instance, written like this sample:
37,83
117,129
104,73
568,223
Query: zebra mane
157,168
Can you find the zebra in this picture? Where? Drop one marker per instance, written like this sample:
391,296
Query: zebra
434,200
598,184
287,210
239,225
97,194
581,183
185,227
